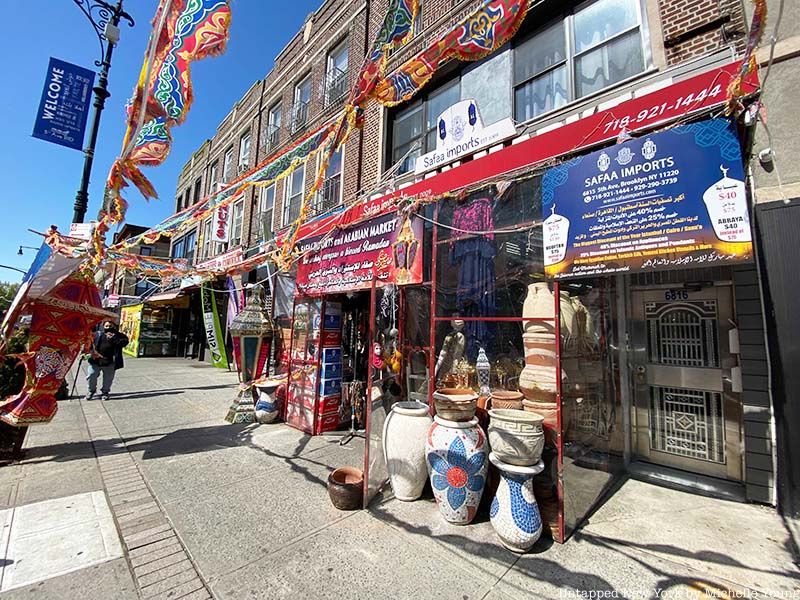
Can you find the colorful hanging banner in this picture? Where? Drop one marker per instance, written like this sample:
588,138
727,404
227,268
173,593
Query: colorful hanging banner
216,341
479,34
671,200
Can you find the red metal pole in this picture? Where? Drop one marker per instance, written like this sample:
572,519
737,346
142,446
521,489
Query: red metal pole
432,352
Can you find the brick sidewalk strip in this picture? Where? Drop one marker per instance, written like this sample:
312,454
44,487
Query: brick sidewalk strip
162,568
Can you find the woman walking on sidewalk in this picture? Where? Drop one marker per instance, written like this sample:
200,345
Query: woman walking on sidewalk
105,357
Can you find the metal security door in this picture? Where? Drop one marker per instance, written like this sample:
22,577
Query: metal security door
686,415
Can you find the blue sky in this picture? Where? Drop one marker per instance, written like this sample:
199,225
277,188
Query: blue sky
40,179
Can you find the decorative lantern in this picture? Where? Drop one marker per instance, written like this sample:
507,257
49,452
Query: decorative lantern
405,251
252,331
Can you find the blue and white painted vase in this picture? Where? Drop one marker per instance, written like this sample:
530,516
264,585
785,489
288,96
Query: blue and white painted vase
514,513
456,456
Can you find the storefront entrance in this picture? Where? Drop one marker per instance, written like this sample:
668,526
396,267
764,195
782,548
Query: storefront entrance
686,414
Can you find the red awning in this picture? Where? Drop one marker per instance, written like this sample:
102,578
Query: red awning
691,96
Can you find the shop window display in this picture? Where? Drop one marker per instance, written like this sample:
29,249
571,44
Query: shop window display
495,309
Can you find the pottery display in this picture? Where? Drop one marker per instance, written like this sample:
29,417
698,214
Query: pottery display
267,405
507,399
549,413
404,434
514,513
456,456
516,436
455,404
346,488
539,304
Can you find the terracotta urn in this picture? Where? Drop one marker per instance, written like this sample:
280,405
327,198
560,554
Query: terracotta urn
455,404
514,513
346,488
456,454
507,399
404,434
516,436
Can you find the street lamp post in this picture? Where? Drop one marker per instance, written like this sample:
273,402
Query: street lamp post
13,269
105,19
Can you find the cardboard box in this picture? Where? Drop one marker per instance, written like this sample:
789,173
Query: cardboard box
327,422
332,355
330,387
330,404
331,338
331,371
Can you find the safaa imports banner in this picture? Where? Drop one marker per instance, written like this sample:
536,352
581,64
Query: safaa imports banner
671,200
388,247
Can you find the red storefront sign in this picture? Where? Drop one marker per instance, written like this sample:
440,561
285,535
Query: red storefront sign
679,100
388,247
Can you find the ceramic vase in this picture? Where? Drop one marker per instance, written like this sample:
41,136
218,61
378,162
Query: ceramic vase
539,304
516,436
404,434
514,512
456,454
507,399
267,406
455,404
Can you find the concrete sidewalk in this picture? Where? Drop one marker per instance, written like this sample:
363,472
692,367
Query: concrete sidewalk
202,508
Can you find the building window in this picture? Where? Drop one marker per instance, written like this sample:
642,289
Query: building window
330,195
414,129
273,132
418,20
198,190
236,224
146,251
244,152
213,177
293,195
142,287
227,165
207,242
267,210
185,246
596,46
336,79
302,97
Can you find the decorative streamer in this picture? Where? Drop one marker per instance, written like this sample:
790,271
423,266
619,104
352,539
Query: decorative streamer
479,34
749,63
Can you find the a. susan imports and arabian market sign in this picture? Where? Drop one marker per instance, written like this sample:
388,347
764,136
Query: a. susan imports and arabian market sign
672,200
387,248
460,132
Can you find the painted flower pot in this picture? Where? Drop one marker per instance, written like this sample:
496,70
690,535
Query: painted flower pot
404,435
514,512
456,455
516,436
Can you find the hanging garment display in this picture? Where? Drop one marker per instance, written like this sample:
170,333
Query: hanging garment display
474,256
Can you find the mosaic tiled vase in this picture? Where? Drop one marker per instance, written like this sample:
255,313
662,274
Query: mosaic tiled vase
456,455
514,513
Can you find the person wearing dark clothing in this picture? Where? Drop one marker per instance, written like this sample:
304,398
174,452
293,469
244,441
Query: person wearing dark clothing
105,357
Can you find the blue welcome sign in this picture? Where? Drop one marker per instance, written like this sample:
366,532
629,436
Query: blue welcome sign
64,107
671,200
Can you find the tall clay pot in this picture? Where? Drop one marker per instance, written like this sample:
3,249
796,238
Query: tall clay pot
404,434
539,304
456,454
514,512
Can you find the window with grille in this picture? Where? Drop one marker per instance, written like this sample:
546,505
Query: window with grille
302,98
336,78
272,134
330,195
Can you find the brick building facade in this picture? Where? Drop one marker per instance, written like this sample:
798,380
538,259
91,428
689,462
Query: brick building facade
568,60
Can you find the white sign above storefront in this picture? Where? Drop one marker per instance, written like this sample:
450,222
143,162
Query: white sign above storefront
223,261
460,132
82,231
